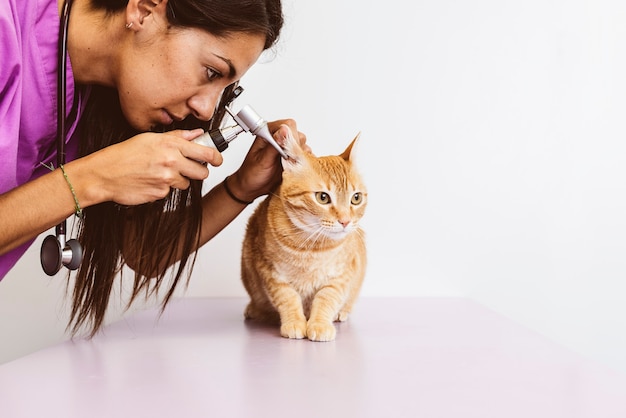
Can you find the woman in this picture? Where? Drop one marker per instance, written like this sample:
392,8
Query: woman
137,70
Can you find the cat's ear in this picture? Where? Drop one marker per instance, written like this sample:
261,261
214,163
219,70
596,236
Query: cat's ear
350,152
292,148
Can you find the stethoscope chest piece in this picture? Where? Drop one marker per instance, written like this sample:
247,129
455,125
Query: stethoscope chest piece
55,253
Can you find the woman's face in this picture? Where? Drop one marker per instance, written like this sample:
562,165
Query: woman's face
169,74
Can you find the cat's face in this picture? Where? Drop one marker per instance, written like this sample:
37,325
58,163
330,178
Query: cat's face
323,196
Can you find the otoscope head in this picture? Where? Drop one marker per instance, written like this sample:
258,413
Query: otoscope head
251,121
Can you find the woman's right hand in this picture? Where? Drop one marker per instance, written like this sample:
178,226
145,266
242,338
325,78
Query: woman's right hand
143,168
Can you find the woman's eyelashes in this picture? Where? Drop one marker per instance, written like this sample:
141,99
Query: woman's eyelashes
212,74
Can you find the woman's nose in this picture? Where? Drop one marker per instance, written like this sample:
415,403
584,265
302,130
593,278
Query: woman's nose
203,104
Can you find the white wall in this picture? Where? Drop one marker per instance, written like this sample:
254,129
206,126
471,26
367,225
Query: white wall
492,141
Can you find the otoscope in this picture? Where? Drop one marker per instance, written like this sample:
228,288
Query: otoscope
247,120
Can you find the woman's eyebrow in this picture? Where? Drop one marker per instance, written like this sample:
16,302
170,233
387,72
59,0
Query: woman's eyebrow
232,72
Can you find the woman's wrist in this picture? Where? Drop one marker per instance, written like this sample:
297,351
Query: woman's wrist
234,195
89,185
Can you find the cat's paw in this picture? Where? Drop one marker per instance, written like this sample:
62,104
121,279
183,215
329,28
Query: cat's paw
321,331
250,312
342,316
293,329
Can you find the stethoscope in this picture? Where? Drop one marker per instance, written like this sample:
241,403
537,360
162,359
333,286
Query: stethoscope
55,250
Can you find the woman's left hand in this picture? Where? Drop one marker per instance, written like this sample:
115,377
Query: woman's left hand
261,170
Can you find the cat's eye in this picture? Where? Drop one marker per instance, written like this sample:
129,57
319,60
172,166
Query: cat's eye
357,198
322,197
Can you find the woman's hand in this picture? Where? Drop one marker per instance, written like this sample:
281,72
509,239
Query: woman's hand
261,170
144,168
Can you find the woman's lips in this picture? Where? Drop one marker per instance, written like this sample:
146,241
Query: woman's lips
169,118
166,118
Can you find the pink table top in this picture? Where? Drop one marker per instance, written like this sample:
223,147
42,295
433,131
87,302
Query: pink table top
400,357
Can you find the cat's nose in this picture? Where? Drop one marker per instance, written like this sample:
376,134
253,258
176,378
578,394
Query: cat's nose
344,223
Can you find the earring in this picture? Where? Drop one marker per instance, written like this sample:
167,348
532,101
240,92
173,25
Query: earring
129,25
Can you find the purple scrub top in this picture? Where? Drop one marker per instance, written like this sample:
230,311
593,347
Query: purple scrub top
28,98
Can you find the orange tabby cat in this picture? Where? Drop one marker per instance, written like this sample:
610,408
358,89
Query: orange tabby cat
304,257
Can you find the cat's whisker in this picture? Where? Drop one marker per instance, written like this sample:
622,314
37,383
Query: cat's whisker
312,239
304,241
307,239
359,232
293,231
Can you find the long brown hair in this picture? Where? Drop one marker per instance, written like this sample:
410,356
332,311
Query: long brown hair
159,231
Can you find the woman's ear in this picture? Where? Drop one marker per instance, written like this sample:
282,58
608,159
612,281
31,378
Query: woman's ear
138,11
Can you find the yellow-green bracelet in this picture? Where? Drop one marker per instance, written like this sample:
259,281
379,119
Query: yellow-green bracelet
79,211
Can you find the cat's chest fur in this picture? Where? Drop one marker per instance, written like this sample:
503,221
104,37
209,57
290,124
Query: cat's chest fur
309,271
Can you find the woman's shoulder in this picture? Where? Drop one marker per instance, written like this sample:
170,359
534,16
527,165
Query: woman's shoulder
28,73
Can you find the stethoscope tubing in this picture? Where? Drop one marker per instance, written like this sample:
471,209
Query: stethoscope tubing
55,251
